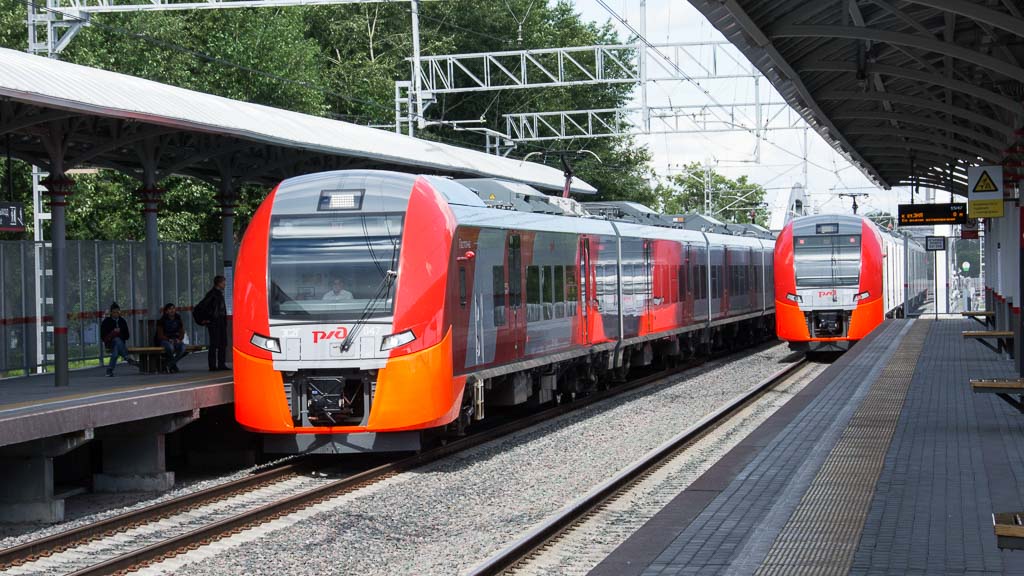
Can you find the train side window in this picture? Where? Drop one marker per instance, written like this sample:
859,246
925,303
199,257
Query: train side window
714,281
462,286
532,285
703,281
547,290
498,285
559,291
533,305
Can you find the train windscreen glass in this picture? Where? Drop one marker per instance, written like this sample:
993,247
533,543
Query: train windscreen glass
827,261
333,268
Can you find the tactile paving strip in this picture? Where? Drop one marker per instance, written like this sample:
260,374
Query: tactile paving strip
822,534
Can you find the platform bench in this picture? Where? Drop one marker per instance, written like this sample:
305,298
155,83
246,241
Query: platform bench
977,316
1004,339
1005,388
1009,529
152,359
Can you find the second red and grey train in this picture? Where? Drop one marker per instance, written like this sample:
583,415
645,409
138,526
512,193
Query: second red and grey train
370,306
838,276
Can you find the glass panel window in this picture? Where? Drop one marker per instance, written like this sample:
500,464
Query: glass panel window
827,261
498,287
332,268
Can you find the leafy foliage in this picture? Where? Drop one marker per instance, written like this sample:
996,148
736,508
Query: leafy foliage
338,61
731,200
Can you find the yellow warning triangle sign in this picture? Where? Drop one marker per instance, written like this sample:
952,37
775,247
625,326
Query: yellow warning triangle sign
985,184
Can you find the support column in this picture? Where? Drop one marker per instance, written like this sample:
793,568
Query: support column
151,197
59,187
27,486
133,455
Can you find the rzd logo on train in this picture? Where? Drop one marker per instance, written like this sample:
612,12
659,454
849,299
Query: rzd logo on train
340,333
824,293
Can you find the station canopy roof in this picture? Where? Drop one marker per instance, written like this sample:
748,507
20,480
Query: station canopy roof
107,116
900,87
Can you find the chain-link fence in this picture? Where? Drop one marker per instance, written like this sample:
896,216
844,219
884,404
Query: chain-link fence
98,274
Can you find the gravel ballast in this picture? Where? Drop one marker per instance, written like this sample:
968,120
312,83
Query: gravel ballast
446,517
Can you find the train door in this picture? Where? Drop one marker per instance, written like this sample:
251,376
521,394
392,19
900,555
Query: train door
517,317
585,290
646,314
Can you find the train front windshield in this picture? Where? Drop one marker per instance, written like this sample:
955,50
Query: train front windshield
333,268
831,261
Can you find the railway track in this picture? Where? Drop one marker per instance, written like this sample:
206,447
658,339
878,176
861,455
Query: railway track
285,500
525,549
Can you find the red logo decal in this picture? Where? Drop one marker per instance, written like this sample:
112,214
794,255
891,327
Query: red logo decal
340,333
823,293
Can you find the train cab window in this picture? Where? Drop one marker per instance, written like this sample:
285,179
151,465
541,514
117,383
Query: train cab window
462,286
559,286
333,267
498,286
827,261
548,292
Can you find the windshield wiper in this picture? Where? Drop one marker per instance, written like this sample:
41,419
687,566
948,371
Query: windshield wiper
382,292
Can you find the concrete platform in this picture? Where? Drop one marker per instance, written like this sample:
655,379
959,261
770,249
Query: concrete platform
888,463
129,415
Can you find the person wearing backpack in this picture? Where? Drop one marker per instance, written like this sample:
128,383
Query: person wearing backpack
212,312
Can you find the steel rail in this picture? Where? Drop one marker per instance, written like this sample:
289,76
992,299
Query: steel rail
54,543
509,557
61,541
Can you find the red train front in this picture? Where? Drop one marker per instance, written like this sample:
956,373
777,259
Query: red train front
828,281
321,325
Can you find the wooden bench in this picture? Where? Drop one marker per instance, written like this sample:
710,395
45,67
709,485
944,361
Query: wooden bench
1005,388
152,359
1009,529
989,317
1004,339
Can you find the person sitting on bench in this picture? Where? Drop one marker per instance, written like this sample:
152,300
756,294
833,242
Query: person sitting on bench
170,333
114,333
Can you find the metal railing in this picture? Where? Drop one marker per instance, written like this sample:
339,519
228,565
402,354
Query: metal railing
99,272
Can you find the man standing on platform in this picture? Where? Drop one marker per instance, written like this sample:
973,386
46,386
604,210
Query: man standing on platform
212,312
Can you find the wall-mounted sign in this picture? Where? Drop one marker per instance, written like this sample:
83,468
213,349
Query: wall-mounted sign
935,243
12,217
931,214
985,191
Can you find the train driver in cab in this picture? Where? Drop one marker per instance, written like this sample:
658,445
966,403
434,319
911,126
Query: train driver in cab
337,292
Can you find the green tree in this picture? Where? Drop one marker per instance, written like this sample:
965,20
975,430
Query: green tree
338,61
731,200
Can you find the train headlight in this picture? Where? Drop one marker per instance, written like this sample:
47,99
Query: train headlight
266,343
794,298
395,340
862,296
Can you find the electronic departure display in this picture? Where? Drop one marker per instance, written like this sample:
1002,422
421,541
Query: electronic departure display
930,214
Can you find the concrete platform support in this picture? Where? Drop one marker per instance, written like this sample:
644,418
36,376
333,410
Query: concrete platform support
134,456
26,484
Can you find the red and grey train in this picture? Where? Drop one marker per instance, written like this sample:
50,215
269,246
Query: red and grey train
838,276
371,306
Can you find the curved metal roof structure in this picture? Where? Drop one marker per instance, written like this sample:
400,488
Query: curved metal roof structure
902,88
105,115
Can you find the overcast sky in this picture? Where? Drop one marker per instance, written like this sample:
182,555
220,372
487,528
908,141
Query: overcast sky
671,21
